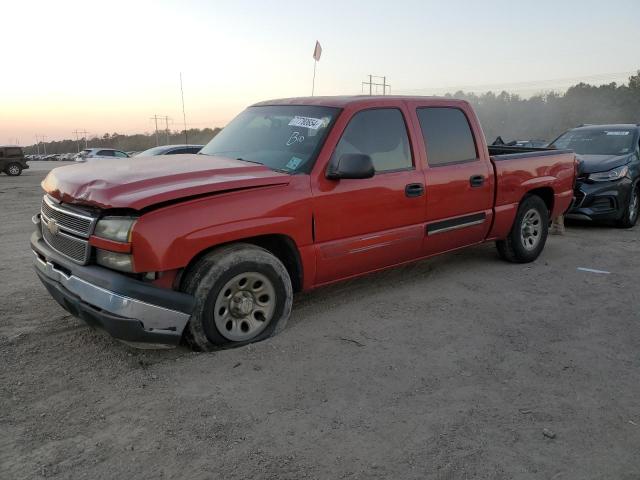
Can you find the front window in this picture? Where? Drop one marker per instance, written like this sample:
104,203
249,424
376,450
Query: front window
596,141
286,138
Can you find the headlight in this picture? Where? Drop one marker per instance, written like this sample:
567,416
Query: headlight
115,228
114,260
615,174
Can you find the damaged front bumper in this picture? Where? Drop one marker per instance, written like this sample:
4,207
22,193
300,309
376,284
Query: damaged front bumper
130,310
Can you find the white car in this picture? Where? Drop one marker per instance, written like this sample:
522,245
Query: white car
90,154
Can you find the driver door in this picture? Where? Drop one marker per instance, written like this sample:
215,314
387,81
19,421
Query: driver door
363,225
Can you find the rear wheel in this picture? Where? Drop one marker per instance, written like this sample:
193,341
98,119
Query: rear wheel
630,216
243,294
13,169
529,233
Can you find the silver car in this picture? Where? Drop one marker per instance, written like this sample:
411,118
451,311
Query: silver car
91,154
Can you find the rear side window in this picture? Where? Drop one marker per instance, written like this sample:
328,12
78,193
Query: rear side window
381,134
179,151
13,152
447,136
106,153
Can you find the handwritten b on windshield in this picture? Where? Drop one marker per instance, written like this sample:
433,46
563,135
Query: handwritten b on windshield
295,138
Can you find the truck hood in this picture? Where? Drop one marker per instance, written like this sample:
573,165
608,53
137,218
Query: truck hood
140,182
601,163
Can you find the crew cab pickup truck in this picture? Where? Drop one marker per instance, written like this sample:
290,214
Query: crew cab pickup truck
292,195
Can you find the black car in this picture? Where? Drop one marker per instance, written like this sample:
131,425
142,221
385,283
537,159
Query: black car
12,160
608,182
170,150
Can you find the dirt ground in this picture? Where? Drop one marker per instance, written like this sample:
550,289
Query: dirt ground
448,369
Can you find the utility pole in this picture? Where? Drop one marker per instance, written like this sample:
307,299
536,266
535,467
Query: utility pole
44,144
184,115
85,133
166,123
371,83
37,144
155,118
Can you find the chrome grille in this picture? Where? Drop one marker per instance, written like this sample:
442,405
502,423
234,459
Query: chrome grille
71,221
72,247
66,231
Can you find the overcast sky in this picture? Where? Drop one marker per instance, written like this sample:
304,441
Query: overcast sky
107,66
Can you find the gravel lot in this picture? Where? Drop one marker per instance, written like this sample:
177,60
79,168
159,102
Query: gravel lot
450,368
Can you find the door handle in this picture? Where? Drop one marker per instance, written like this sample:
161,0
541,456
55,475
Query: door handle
476,181
414,190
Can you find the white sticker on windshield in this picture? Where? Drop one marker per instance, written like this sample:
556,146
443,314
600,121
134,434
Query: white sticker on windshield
306,122
618,132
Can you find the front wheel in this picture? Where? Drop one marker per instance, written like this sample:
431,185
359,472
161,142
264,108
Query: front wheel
13,169
529,233
243,295
630,215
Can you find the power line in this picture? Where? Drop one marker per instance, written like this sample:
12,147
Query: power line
528,85
166,119
372,84
76,131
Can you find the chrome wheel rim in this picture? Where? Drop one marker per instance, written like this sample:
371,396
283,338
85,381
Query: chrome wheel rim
531,229
633,204
13,170
244,307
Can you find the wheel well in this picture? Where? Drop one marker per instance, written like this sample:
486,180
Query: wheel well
546,194
280,246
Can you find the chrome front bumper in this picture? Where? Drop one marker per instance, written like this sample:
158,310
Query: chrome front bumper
152,317
130,310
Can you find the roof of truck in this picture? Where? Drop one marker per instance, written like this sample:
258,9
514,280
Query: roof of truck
344,100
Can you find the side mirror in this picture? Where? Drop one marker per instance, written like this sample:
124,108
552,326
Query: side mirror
351,165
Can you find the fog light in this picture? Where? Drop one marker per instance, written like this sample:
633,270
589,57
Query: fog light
114,260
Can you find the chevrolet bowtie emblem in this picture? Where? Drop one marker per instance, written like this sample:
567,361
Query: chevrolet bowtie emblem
53,227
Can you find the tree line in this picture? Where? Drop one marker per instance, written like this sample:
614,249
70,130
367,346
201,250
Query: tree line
546,116
542,117
128,143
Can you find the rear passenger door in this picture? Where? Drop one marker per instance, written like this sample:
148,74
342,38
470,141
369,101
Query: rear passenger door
366,224
458,177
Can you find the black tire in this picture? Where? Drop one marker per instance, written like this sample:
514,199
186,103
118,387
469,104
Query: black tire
630,215
518,247
213,272
13,169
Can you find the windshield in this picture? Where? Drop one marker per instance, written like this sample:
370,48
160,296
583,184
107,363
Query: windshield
285,138
596,142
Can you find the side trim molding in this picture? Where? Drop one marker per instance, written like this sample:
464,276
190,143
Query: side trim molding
456,223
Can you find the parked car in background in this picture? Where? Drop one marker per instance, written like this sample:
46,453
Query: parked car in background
608,184
12,160
531,143
293,194
91,154
170,150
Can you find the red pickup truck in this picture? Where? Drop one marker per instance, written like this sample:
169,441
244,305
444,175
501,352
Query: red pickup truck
293,194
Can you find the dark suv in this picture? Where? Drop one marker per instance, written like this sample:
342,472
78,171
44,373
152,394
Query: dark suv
12,160
608,181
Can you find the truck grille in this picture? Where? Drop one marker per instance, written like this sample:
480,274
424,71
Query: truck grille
66,231
70,221
71,247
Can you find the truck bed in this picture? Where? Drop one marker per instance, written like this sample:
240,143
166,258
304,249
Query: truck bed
548,171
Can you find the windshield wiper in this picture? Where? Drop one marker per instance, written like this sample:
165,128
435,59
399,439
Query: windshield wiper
250,161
